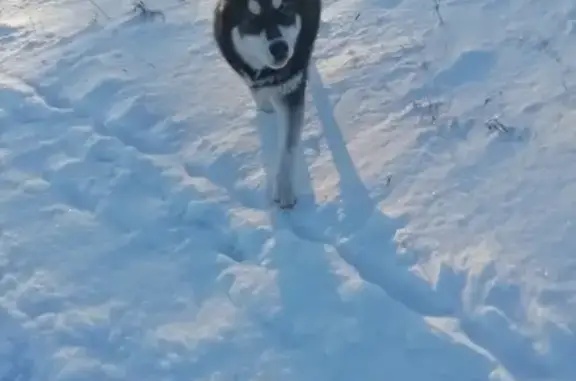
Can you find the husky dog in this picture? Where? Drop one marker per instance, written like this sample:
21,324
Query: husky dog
269,44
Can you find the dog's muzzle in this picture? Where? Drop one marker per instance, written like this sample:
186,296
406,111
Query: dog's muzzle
279,50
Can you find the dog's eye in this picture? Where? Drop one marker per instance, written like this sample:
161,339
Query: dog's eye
286,9
252,24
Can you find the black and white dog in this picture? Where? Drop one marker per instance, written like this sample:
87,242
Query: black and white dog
269,43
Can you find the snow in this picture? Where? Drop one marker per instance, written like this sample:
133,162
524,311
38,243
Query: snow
434,238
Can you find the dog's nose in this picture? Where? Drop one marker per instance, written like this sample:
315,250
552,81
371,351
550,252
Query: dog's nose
279,50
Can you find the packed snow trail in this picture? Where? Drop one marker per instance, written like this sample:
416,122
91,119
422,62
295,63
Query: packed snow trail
434,236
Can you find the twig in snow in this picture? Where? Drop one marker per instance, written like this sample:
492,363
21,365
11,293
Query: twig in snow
147,13
437,11
494,124
544,46
492,98
33,24
100,9
430,108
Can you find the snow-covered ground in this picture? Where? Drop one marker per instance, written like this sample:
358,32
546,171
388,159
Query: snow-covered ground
435,238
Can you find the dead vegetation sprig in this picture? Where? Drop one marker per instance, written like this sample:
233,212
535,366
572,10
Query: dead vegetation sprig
146,13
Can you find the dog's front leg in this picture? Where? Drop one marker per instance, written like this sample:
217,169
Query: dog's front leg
291,114
262,99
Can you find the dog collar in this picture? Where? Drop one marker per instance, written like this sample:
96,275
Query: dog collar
285,84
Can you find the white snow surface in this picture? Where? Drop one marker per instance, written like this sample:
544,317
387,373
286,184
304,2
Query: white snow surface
434,239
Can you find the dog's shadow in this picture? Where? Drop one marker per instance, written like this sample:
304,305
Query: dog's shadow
354,224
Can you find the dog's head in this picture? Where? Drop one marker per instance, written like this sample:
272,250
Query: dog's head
266,31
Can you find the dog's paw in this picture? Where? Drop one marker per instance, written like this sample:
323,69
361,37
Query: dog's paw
287,204
284,195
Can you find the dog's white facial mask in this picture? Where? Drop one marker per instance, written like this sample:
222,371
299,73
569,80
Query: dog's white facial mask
255,49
